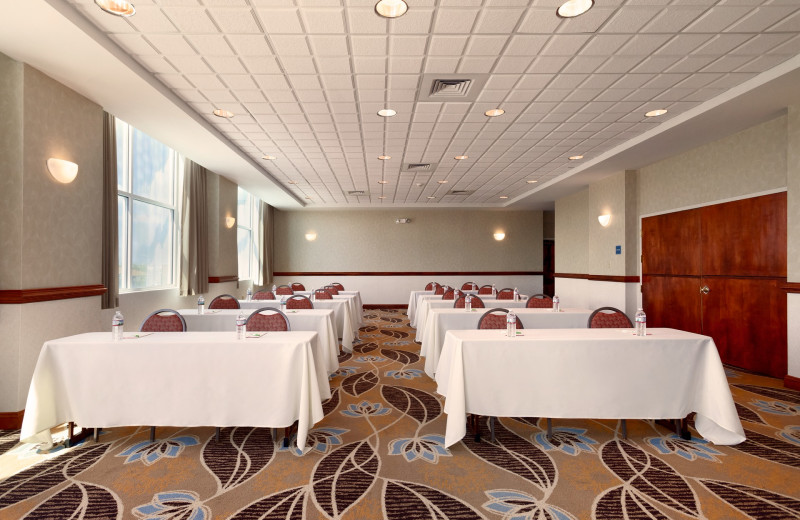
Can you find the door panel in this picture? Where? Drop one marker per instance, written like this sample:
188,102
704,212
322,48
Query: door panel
746,317
670,243
745,237
672,301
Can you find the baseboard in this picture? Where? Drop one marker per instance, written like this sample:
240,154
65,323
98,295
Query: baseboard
387,306
791,382
11,420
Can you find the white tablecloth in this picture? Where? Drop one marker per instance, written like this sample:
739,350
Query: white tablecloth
441,320
413,305
177,379
586,373
341,316
317,320
354,301
427,303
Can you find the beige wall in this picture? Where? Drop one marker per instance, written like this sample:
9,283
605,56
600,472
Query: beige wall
746,163
11,73
435,240
221,200
549,225
793,197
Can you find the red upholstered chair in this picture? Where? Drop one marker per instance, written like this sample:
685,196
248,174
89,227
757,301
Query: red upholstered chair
339,287
268,319
298,301
485,289
461,302
439,289
297,286
496,319
505,294
469,286
224,301
163,320
284,290
431,286
449,294
264,295
539,301
332,289
609,318
322,294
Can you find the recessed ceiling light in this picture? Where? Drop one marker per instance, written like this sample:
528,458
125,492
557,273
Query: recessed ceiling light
117,7
575,157
495,112
531,182
387,112
291,182
503,196
309,198
391,8
442,182
268,157
384,157
656,113
383,182
419,185
461,157
227,114
382,197
574,8
431,197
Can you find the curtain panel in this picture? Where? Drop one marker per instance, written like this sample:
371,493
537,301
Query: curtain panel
110,247
266,243
194,231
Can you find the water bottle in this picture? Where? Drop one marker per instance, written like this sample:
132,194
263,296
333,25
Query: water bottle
249,294
494,292
274,288
283,303
641,322
511,325
241,327
516,295
116,326
201,305
556,303
468,302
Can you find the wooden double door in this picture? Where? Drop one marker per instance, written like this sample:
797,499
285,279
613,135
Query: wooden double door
719,271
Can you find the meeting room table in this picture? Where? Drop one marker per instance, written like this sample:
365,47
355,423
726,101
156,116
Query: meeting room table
589,374
317,320
426,303
353,299
183,379
441,320
342,319
412,305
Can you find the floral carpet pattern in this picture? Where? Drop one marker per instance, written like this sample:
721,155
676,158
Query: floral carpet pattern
379,453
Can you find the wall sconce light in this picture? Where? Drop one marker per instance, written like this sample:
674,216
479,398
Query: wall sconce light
230,222
403,221
604,219
311,236
499,236
61,170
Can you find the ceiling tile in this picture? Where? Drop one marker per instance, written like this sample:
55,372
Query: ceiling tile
324,21
192,20
236,21
210,45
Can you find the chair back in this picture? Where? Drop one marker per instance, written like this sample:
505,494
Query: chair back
461,302
332,289
339,287
539,301
439,289
505,294
449,294
283,290
431,286
496,319
298,301
322,294
609,318
264,295
224,301
297,286
485,289
163,320
469,286
268,319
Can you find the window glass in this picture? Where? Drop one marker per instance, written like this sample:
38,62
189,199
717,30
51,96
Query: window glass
244,245
122,238
152,165
247,227
151,246
243,208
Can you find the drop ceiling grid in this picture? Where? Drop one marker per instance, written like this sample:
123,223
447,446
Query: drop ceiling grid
306,80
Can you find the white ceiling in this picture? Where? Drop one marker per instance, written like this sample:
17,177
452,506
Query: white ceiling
305,79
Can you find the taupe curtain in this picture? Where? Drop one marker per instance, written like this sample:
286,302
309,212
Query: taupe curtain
265,243
194,231
110,247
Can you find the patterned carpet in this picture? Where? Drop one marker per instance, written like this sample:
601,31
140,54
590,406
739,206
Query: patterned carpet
379,454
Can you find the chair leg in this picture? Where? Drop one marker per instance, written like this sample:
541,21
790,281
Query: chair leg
152,434
96,434
491,427
286,437
549,429
216,434
624,429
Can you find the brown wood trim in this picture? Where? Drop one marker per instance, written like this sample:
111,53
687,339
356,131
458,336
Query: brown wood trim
791,382
599,277
413,273
386,306
791,287
47,294
11,420
223,279
779,279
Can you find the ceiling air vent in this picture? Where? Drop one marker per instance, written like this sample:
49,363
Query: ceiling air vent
418,167
450,87
357,192
460,192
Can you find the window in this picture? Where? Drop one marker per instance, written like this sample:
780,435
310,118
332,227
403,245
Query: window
247,238
147,180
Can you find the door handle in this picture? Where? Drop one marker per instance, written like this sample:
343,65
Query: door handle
705,290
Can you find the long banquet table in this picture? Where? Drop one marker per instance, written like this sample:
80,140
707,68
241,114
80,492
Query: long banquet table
342,319
586,373
426,303
177,379
353,299
319,320
413,305
441,320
